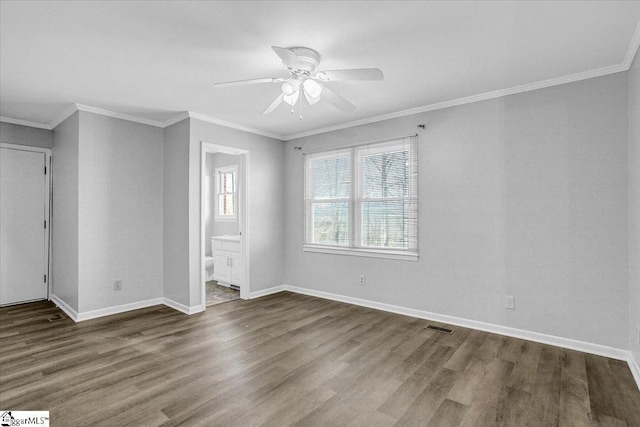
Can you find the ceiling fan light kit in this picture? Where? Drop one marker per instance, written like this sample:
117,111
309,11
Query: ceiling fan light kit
302,63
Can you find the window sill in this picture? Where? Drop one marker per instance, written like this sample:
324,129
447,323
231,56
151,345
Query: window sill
226,219
361,252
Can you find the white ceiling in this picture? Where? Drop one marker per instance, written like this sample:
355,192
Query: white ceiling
155,60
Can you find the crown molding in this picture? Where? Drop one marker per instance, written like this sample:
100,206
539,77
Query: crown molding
623,66
205,118
403,113
24,123
633,48
102,112
175,119
469,99
63,116
116,115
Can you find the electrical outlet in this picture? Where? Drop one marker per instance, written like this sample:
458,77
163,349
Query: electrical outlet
361,280
117,285
509,302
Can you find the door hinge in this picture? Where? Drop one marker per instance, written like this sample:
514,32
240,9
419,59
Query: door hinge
45,278
45,170
45,223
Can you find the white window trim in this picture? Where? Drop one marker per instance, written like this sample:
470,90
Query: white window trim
362,252
355,202
216,205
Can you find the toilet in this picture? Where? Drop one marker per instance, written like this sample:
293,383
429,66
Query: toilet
208,265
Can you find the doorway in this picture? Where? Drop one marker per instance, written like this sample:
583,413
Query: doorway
224,230
24,223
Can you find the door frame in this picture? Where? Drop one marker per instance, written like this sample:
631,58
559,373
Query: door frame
47,203
243,216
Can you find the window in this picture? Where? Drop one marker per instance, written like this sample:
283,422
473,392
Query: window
363,200
226,194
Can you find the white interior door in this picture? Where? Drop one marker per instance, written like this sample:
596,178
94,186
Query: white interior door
23,251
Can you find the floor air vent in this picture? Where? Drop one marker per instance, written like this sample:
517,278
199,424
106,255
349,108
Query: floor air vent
439,329
55,317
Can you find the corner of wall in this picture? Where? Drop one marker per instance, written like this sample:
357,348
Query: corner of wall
634,214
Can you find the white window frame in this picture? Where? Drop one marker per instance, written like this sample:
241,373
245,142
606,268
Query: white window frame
356,200
217,215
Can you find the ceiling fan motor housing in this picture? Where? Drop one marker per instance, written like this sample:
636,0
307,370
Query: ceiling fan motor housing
308,58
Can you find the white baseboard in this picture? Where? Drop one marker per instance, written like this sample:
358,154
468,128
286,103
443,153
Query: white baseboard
600,350
87,315
93,314
64,307
268,291
585,347
634,365
181,307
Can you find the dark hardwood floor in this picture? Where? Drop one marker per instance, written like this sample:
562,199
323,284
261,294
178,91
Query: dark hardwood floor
292,359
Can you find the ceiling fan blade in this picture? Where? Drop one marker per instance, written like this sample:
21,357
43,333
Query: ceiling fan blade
248,82
336,100
273,105
288,58
355,74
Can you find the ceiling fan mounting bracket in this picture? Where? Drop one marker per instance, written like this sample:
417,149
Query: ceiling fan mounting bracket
309,60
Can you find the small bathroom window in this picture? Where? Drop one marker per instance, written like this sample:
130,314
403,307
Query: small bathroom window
226,208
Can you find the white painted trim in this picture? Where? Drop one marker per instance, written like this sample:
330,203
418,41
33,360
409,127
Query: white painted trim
600,350
181,307
633,48
66,113
175,119
268,291
468,100
47,203
64,307
216,201
93,314
44,150
634,366
208,119
116,115
582,346
585,347
611,69
25,123
243,215
367,253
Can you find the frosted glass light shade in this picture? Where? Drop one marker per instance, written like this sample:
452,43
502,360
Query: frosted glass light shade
312,88
290,87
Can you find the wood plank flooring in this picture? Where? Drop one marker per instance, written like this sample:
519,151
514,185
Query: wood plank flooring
290,359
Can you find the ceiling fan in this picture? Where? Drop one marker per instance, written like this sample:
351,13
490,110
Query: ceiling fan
302,64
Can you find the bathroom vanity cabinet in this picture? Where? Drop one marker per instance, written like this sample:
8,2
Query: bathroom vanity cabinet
227,260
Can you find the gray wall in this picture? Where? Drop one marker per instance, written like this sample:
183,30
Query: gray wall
107,211
120,211
265,210
25,135
634,207
524,195
175,228
64,215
